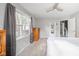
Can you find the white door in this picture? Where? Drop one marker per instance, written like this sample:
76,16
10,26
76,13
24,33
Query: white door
71,27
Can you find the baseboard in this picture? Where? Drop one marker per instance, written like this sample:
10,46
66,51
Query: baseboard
44,38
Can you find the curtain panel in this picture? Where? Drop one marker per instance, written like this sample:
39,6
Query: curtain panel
10,27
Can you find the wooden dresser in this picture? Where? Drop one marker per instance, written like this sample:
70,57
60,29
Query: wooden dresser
2,42
36,33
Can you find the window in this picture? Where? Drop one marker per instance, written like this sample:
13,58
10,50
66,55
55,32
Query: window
23,22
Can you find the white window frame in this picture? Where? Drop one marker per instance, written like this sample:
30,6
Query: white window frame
22,25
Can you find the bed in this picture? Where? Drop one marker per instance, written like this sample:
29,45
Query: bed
62,46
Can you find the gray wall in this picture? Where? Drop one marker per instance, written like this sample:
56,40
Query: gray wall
77,25
2,13
45,26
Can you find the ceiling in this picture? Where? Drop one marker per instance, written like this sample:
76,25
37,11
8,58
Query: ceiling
39,10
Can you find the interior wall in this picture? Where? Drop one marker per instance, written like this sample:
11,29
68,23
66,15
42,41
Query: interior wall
77,24
45,26
57,29
2,13
34,19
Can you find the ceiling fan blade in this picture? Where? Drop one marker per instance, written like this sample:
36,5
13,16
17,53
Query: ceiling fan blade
50,10
59,9
55,5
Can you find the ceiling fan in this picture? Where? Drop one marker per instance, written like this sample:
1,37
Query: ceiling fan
55,7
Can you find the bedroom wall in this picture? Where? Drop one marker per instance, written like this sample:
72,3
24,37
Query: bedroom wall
57,28
76,15
2,13
77,23
45,26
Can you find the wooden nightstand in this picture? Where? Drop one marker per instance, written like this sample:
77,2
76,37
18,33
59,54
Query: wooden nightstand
2,42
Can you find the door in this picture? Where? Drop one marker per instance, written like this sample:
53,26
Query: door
64,28
71,27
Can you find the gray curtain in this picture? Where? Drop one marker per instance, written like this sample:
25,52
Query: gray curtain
10,27
31,33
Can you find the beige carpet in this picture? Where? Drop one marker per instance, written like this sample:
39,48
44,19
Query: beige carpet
35,49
